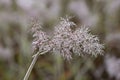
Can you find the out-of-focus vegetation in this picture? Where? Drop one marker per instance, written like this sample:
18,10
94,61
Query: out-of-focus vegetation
102,16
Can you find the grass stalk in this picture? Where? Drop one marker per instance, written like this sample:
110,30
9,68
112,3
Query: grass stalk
35,57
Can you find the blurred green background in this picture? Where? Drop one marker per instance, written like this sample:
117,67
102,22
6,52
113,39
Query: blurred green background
102,16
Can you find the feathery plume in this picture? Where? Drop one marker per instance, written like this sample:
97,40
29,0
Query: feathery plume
67,41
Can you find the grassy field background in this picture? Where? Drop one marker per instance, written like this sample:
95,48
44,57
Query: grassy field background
102,16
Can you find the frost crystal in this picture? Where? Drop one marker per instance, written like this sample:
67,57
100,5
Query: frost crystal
68,40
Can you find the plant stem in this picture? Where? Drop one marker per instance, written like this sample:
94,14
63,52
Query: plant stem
35,57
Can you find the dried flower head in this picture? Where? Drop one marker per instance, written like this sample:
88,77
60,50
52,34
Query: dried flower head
62,38
40,37
85,42
67,41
